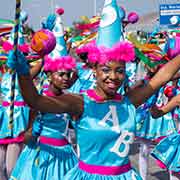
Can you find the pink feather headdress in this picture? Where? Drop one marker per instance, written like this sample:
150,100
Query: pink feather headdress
121,52
7,46
61,63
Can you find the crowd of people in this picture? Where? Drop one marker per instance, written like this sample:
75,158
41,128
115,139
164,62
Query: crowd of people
81,100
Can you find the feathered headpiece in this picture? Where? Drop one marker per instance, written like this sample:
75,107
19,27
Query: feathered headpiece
59,58
22,45
109,44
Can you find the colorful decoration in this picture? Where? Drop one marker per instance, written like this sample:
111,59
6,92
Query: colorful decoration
43,42
16,30
170,91
58,58
87,23
109,45
110,24
133,17
150,54
173,46
63,63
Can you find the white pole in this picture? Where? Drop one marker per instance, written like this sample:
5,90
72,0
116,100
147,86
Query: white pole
95,7
52,5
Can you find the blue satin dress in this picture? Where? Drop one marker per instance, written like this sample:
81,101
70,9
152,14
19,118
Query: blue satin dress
13,133
104,133
168,152
46,161
150,128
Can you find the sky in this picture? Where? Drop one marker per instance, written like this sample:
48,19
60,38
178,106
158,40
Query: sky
39,9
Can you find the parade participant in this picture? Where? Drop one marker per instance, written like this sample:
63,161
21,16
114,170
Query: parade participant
167,151
104,121
150,130
52,148
12,134
52,156
172,49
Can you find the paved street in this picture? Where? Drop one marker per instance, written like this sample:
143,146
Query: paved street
155,173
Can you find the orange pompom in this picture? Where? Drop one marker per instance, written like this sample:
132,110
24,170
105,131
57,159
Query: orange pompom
43,42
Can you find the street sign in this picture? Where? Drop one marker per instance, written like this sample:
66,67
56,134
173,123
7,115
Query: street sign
169,15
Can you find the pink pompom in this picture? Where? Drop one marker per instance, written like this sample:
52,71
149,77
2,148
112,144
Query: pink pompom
47,63
121,52
60,11
61,63
94,54
7,46
133,17
43,42
24,48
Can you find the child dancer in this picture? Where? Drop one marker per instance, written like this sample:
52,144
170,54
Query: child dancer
151,130
52,156
167,151
12,135
52,148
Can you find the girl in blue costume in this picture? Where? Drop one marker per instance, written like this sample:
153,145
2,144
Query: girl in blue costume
170,152
151,130
167,151
104,121
52,156
103,154
12,134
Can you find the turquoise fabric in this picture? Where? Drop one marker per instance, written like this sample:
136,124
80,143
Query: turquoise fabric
21,113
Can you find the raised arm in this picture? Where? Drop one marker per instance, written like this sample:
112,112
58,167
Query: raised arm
67,103
35,70
139,95
173,103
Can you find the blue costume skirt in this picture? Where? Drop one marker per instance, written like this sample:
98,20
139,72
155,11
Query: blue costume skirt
44,162
153,129
168,152
77,174
20,121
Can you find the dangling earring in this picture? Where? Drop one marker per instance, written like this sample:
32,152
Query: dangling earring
94,75
49,78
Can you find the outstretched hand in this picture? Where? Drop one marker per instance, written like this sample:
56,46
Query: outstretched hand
156,112
17,61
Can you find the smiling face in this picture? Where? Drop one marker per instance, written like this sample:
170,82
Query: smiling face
110,77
